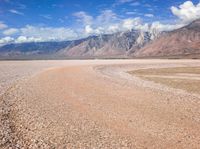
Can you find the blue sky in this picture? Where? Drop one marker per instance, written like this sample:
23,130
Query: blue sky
44,20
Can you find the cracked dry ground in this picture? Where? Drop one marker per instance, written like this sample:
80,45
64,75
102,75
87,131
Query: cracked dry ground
78,107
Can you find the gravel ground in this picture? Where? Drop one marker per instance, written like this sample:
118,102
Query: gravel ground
94,104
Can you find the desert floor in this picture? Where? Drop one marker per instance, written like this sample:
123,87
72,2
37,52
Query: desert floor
99,104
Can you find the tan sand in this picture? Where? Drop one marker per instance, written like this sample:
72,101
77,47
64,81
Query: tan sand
185,78
97,104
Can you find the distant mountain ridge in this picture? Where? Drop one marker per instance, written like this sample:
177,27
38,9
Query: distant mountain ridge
183,41
120,44
129,44
34,47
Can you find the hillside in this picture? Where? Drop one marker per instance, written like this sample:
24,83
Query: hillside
180,42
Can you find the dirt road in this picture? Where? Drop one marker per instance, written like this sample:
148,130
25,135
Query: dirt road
97,104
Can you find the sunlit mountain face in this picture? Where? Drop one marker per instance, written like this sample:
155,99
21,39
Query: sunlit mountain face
60,20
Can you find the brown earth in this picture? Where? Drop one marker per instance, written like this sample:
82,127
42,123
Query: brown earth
96,104
186,78
183,42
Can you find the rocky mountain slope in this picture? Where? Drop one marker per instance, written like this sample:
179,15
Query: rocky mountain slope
35,49
32,48
129,44
180,42
120,44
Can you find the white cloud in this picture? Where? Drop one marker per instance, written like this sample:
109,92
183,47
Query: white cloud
187,11
93,31
106,16
48,33
103,23
131,23
2,25
122,25
107,22
83,17
16,12
38,34
6,40
114,28
22,39
165,27
89,29
10,31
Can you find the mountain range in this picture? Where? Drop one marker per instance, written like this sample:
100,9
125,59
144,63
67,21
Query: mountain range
182,42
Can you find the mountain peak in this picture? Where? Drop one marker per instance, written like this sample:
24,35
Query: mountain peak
183,41
121,44
195,25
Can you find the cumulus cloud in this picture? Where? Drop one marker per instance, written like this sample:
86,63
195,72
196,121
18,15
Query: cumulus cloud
102,23
16,12
48,33
114,28
187,11
6,40
108,22
22,39
38,34
89,29
106,16
93,31
121,25
164,27
10,31
2,25
131,23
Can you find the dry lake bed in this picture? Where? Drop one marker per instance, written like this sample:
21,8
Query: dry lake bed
100,104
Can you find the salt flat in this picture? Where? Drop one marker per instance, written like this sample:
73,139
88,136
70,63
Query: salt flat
94,104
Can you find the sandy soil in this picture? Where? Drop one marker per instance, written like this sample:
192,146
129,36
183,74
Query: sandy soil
185,78
94,104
